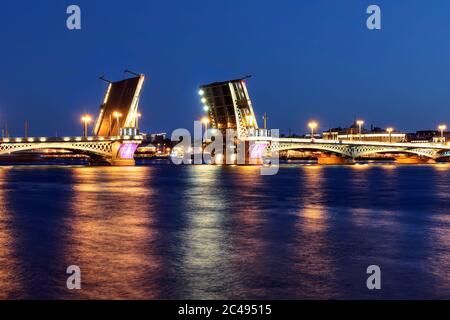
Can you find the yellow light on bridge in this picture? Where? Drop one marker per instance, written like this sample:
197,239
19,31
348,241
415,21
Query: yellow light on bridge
137,115
201,92
86,119
19,140
313,126
390,130
442,128
205,120
43,139
30,140
360,123
117,115
67,139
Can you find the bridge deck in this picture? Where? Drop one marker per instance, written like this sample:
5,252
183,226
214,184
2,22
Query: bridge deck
67,139
439,146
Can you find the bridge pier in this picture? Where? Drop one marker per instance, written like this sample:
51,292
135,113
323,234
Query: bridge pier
407,159
123,153
332,159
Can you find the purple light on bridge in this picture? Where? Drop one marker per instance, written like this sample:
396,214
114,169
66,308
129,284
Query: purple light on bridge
257,150
127,150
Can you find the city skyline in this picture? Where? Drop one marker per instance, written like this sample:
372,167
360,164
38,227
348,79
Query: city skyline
389,78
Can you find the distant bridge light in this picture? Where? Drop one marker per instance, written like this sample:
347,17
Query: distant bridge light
117,115
136,118
442,128
43,139
201,92
86,119
313,125
360,124
205,108
390,130
205,121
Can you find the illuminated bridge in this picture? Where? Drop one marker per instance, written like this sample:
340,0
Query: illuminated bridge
115,135
228,106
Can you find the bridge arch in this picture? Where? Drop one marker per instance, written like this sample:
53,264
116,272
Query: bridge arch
102,149
340,150
428,153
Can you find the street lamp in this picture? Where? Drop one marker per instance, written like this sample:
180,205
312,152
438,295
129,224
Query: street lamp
205,121
390,130
312,125
137,116
442,128
86,119
360,124
117,115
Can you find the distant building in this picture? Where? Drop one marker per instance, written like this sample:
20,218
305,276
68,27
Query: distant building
155,144
375,134
426,136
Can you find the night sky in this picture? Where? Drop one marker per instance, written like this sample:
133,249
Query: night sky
309,60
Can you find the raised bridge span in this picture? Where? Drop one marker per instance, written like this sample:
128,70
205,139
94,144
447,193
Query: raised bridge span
114,138
228,106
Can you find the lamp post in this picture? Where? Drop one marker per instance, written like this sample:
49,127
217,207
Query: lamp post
117,115
137,116
442,128
86,119
205,121
265,118
390,130
312,125
360,124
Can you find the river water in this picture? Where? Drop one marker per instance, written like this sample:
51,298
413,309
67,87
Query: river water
159,231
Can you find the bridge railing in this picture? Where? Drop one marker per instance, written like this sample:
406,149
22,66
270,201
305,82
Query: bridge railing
68,139
259,132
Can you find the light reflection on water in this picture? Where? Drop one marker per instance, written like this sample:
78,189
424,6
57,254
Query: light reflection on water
9,271
225,232
111,232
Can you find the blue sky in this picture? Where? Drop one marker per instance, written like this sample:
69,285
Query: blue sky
309,60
